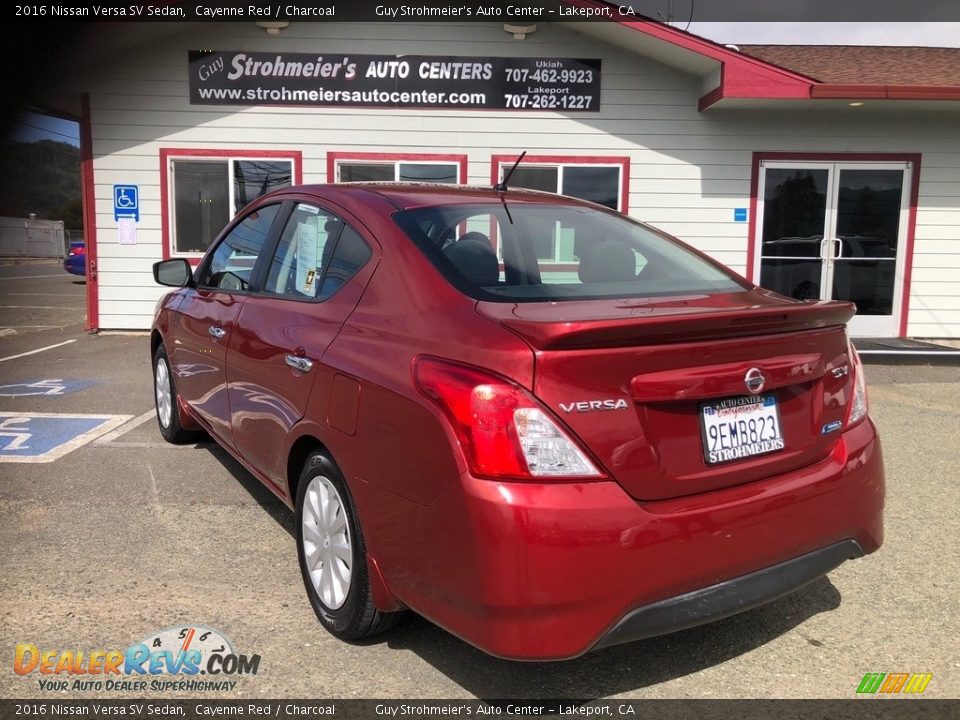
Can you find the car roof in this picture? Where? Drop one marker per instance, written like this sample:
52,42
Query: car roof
412,195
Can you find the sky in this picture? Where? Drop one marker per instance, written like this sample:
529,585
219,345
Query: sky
34,126
929,34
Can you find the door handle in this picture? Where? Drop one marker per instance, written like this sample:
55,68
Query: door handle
216,332
838,249
299,363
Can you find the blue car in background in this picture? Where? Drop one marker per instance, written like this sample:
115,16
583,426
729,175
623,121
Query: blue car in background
76,260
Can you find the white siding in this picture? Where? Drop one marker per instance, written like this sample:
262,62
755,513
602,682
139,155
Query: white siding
688,170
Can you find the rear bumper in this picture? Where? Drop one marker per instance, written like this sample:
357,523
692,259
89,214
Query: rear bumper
75,267
730,597
550,571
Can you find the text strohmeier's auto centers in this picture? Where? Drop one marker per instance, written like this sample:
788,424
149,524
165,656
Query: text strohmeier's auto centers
250,78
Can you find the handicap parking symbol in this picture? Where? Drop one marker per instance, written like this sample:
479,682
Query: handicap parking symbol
44,437
126,202
49,386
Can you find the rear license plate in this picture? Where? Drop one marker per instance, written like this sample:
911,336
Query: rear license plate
740,427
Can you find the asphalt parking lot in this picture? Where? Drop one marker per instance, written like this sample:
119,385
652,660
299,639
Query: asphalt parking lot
123,535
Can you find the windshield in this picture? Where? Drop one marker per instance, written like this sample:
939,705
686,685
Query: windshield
525,252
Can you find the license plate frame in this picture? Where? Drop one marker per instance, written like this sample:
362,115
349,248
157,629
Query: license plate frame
763,411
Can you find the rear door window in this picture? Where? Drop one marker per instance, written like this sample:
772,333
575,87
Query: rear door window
317,253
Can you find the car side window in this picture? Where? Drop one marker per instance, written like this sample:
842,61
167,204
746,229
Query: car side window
317,253
233,260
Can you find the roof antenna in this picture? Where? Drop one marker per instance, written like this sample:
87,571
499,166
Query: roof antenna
501,187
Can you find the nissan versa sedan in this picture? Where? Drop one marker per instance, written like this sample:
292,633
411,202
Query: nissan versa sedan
542,425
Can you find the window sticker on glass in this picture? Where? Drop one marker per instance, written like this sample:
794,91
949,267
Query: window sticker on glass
308,233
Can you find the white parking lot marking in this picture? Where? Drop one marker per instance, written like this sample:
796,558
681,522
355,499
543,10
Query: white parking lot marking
38,350
125,428
30,437
110,439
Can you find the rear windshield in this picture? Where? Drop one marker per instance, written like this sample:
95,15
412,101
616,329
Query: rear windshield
531,252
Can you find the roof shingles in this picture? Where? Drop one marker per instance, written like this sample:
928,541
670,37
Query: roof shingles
865,65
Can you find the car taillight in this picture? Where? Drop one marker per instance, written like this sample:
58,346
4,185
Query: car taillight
858,404
76,251
504,431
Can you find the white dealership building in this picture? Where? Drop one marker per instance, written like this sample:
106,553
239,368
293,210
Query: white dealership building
819,172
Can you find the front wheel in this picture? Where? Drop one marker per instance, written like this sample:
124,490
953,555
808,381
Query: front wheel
333,558
168,407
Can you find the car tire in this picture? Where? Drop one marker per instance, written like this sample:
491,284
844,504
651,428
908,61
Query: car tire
332,553
166,401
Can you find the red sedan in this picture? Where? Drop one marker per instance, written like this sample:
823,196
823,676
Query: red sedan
542,425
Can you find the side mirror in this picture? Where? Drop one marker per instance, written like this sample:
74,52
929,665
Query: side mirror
173,273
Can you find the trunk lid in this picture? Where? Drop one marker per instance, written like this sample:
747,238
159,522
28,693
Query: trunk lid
631,379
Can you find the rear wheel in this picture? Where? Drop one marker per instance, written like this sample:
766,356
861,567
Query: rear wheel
165,395
333,558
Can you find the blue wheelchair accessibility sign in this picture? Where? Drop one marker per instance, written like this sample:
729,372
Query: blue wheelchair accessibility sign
126,202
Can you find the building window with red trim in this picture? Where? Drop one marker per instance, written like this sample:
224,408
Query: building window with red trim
396,167
603,181
599,184
208,191
600,180
401,171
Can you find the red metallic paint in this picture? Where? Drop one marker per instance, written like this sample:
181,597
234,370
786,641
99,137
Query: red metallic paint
199,361
541,569
653,447
267,397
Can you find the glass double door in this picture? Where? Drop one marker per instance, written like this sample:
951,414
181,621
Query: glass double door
835,231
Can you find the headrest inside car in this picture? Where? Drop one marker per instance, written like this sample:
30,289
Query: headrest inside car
474,257
610,261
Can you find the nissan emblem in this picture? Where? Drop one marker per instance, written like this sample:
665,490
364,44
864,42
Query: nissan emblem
755,380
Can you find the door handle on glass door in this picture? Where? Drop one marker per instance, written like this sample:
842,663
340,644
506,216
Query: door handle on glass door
216,332
298,363
837,248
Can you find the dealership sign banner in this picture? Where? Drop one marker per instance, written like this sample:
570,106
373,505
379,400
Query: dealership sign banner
394,81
